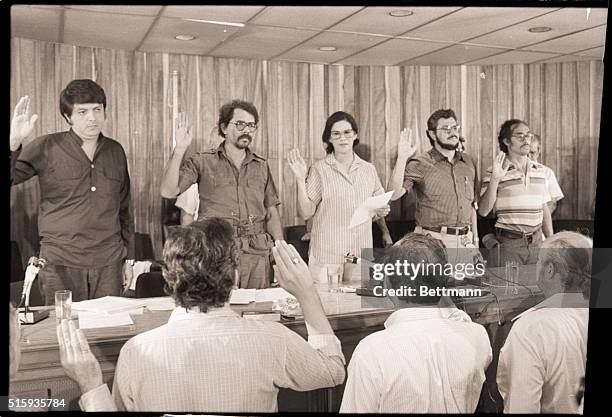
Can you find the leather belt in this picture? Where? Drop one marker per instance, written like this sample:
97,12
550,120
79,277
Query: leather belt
514,234
449,230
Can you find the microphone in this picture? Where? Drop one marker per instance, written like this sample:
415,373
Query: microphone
34,266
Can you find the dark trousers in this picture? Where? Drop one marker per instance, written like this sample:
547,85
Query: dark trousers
522,250
84,283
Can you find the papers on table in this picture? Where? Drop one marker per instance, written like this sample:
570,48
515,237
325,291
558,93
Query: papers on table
362,213
109,305
96,320
160,304
246,296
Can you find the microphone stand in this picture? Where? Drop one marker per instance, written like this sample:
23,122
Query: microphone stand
27,316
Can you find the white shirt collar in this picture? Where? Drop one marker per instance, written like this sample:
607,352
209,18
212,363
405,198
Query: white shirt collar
426,313
560,300
181,313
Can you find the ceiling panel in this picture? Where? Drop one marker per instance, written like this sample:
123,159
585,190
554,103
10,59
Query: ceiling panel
562,22
235,14
261,42
455,55
346,44
36,23
377,19
161,38
105,30
392,52
513,57
595,52
474,21
319,17
567,58
576,42
142,10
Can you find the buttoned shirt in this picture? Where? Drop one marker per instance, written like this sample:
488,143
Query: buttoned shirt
238,194
427,360
520,197
336,195
544,357
445,191
84,219
220,362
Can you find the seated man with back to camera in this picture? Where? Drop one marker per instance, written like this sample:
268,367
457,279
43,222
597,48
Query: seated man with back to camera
207,357
430,358
544,357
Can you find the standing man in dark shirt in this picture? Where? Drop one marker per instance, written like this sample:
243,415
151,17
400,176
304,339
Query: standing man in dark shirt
234,183
445,181
84,219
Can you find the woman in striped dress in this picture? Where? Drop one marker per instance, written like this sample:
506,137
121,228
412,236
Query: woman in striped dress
331,191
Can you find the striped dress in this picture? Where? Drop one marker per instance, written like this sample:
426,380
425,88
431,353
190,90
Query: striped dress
336,197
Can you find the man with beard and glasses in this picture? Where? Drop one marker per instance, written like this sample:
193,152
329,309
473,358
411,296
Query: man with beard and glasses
234,183
516,188
445,181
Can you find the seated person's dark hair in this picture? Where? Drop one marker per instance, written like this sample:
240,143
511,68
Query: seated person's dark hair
200,263
417,248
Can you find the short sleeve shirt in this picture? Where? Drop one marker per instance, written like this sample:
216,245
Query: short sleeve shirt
445,191
225,191
520,198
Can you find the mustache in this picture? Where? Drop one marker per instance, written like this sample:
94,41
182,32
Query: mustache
245,136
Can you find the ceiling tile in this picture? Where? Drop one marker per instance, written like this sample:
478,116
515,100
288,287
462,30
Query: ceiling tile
595,52
105,30
36,23
261,42
319,17
513,57
568,58
161,38
377,19
392,52
562,21
576,42
141,10
235,14
454,55
470,22
346,44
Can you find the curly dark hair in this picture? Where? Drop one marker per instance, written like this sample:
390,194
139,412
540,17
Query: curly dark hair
432,122
80,92
505,132
200,263
226,112
333,119
416,248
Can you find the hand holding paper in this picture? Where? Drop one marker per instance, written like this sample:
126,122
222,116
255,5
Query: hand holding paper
364,212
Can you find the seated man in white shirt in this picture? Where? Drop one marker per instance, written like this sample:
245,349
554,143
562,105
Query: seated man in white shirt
430,358
544,356
209,359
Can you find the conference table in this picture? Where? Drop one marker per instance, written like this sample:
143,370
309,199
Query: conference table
351,316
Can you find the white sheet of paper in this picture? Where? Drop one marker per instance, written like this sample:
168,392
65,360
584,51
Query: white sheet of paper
160,304
362,213
271,294
109,304
242,296
93,320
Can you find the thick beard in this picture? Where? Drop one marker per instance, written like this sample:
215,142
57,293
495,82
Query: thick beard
447,146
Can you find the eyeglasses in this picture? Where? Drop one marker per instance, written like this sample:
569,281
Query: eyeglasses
240,125
347,134
523,136
449,129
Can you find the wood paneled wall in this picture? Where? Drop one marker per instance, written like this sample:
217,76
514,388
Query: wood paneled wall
561,102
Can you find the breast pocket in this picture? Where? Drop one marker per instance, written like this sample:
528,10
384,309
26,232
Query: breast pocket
109,181
257,181
67,172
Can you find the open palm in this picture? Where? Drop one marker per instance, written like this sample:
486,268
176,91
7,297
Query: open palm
22,124
297,164
407,144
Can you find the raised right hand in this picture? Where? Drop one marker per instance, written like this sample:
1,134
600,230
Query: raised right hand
293,273
498,171
297,164
183,131
407,144
22,123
